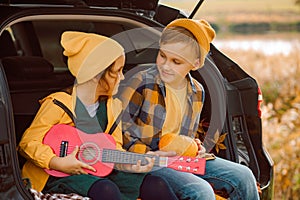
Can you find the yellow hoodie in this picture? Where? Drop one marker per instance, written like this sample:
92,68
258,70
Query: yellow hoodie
39,155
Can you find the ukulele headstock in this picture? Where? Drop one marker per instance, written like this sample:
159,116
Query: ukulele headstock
187,164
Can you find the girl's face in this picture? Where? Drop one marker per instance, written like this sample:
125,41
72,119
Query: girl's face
112,77
118,70
174,62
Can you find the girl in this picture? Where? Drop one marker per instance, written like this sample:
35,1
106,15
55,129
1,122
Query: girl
96,62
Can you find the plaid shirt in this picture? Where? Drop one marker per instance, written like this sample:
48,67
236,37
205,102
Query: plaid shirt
143,98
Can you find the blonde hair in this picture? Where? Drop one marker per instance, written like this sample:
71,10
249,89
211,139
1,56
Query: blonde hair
178,34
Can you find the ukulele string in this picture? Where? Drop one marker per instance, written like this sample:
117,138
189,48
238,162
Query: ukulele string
127,156
111,154
85,149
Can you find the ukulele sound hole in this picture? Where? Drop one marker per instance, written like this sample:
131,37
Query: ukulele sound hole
89,153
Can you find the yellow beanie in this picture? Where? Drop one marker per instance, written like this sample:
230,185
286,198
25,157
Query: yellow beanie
89,54
201,30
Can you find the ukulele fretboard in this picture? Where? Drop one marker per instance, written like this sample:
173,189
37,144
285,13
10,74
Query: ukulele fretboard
116,156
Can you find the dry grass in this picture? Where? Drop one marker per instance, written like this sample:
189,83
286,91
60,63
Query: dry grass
279,78
236,11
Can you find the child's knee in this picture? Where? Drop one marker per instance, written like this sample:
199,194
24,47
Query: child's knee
201,190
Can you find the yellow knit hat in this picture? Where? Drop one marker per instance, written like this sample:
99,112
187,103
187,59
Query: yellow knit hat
89,54
201,30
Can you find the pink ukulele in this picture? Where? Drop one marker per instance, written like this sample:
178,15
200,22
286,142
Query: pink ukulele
98,150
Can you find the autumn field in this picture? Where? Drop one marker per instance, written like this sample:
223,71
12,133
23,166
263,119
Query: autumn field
251,16
233,11
279,78
277,73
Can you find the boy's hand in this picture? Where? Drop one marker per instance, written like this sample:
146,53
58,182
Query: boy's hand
201,148
69,164
162,153
138,168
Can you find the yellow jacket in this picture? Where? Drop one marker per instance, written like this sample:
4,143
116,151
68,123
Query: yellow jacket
39,155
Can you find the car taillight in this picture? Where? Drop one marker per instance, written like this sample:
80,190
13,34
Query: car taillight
259,102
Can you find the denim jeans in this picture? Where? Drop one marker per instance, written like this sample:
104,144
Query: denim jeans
236,179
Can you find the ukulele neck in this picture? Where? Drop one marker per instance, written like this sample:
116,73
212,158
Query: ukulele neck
122,157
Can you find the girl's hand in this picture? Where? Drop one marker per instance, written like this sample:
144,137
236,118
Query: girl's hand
69,164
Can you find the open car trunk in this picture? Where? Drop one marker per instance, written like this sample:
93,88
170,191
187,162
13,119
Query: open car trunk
232,97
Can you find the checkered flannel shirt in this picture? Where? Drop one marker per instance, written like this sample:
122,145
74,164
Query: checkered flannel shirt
143,97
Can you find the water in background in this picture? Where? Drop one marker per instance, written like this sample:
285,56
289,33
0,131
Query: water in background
266,45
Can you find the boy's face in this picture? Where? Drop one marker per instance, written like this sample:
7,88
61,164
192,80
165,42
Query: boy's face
174,61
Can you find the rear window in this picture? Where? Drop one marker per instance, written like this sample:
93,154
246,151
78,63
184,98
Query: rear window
42,38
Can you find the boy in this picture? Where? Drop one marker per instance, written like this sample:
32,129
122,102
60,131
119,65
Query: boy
166,99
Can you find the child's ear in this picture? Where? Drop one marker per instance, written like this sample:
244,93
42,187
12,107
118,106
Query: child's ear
196,64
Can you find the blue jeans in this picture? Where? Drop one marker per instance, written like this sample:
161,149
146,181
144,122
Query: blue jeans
236,179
